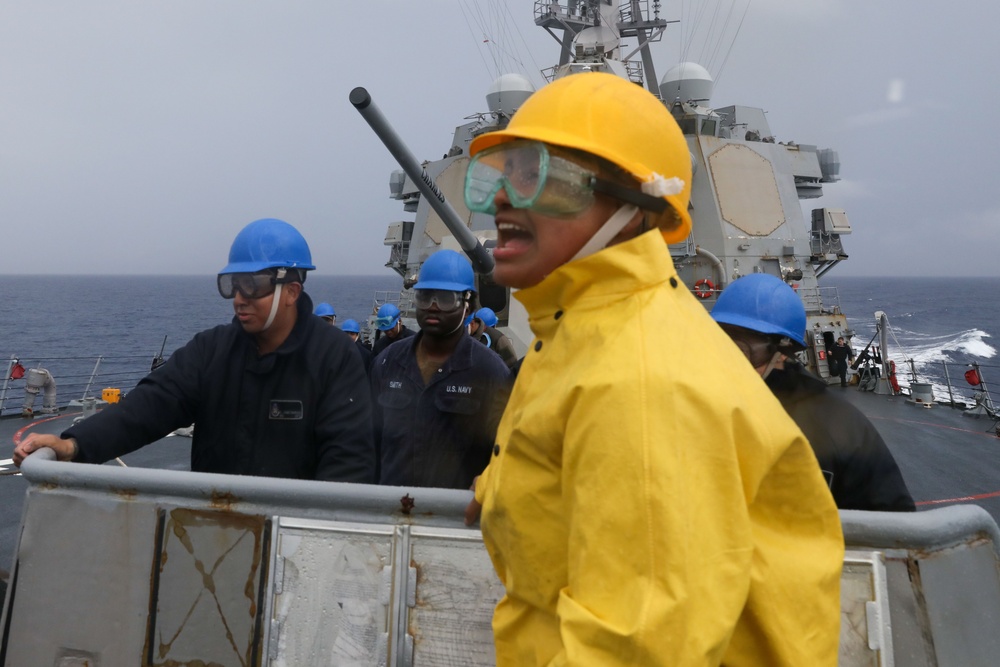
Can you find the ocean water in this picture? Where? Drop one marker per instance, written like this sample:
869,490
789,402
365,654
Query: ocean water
72,325
942,324
66,323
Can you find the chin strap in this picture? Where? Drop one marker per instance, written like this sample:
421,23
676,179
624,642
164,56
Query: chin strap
276,298
461,322
771,365
608,231
274,307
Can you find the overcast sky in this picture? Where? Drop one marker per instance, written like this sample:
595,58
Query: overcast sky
140,136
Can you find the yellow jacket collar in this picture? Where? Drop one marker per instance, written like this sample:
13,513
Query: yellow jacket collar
611,274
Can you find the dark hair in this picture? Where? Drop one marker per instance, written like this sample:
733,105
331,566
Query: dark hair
291,275
757,347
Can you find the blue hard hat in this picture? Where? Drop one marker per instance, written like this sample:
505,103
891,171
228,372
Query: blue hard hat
268,244
325,310
388,315
351,326
763,303
446,270
488,317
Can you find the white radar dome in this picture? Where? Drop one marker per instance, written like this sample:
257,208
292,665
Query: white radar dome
686,82
508,93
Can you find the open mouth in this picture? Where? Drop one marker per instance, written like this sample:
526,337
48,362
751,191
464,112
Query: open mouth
512,238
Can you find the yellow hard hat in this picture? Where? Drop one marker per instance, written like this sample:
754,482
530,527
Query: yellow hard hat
615,119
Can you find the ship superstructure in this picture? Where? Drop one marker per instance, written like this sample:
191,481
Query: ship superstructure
746,192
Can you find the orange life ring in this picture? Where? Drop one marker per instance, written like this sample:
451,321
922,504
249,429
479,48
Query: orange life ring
704,288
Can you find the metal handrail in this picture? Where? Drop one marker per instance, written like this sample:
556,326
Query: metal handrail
75,377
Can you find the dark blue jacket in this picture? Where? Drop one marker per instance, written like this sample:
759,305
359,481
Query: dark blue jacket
383,341
301,411
441,434
856,462
365,353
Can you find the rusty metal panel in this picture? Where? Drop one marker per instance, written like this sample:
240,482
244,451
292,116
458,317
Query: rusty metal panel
456,590
370,594
208,579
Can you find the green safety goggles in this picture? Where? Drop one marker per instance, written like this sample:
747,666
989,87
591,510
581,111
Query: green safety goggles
535,179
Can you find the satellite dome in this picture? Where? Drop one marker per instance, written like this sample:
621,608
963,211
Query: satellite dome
508,93
686,82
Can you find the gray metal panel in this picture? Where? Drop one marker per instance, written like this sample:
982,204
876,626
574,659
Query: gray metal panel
456,592
89,570
104,560
911,638
803,161
865,640
331,598
131,566
944,581
746,189
963,605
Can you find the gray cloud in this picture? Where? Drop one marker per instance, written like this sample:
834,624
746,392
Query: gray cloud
140,137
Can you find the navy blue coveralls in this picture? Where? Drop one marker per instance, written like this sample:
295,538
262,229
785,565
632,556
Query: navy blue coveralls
384,341
441,434
856,462
301,411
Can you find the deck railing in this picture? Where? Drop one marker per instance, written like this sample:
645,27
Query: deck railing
73,379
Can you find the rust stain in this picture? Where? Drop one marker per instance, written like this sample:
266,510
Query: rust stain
127,494
224,501
407,503
420,601
215,573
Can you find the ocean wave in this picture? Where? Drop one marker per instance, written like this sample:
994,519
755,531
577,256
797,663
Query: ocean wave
930,354
965,346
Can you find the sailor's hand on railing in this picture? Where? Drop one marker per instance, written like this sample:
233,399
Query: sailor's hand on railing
473,509
65,449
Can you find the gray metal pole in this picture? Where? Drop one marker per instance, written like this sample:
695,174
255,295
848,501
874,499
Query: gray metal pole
90,381
986,392
482,261
947,378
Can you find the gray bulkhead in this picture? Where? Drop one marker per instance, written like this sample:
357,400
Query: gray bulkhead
128,566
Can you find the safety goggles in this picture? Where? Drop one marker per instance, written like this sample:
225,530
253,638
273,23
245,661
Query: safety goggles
385,322
446,300
250,285
535,179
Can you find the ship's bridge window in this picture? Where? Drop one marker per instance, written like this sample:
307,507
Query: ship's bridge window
708,126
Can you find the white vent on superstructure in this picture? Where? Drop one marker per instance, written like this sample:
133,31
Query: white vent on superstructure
687,82
508,93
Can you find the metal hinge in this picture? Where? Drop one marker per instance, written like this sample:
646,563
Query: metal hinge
874,619
272,640
279,575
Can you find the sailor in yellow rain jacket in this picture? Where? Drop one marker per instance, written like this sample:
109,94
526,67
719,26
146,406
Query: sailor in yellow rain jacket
649,502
